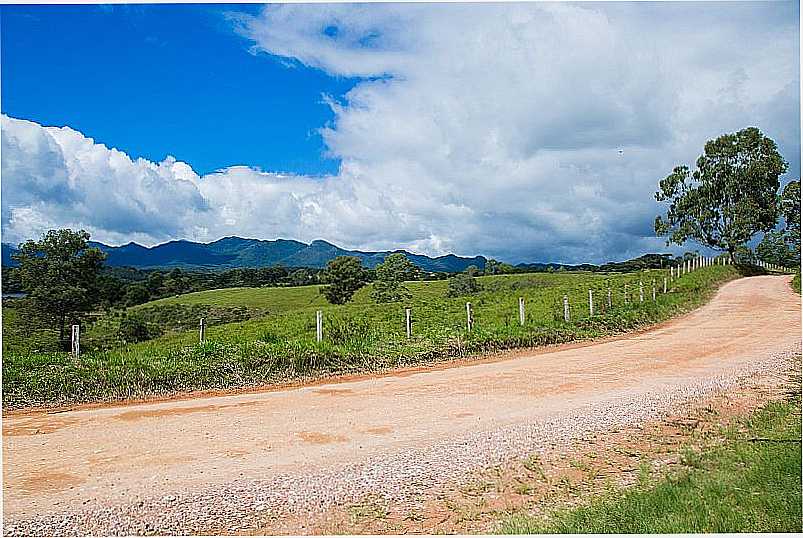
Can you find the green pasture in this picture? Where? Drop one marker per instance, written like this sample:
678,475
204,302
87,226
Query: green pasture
278,343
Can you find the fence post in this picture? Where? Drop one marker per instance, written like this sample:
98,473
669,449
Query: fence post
408,322
521,310
201,331
319,325
75,340
664,284
653,290
566,316
610,304
627,298
469,318
590,303
641,291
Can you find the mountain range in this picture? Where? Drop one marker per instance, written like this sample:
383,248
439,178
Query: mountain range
231,252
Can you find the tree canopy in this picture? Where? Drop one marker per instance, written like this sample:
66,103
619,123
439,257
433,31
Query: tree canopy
775,249
729,197
344,275
60,275
388,287
790,209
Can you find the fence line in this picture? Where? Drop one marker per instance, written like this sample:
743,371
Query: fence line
687,265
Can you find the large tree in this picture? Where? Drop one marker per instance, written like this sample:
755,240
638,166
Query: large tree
344,275
60,275
391,274
728,198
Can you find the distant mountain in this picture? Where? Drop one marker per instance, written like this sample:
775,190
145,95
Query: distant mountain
231,252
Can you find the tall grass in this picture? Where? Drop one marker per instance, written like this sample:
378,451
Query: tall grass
750,483
358,337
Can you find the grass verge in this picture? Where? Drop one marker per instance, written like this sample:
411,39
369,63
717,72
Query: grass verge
750,483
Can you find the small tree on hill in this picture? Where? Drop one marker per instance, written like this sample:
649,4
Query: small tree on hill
60,275
730,196
391,274
492,267
344,275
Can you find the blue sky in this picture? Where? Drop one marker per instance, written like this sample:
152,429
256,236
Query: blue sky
169,79
520,131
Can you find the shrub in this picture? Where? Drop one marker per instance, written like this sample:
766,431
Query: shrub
134,328
461,285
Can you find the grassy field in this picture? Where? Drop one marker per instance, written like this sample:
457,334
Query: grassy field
361,336
750,483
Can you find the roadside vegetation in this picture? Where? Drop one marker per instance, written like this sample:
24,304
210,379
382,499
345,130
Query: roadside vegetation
750,482
359,336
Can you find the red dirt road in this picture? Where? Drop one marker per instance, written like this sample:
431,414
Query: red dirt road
57,463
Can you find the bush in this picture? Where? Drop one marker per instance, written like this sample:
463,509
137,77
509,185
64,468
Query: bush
461,285
134,328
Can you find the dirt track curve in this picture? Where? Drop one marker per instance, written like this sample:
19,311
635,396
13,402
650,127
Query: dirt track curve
128,456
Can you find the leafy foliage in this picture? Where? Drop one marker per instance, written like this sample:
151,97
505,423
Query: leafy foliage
730,196
59,273
389,286
462,284
344,275
790,208
135,328
774,248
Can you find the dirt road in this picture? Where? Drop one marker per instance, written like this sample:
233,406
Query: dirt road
62,470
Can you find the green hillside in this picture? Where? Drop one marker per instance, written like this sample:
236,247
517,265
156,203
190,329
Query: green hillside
278,344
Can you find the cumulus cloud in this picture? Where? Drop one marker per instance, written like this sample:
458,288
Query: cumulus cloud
477,128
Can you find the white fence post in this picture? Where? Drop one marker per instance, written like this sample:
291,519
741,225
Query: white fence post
521,310
408,322
201,331
319,325
566,316
610,304
627,295
664,284
590,303
641,291
469,318
75,340
653,290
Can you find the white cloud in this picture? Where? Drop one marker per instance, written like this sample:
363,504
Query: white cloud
481,128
